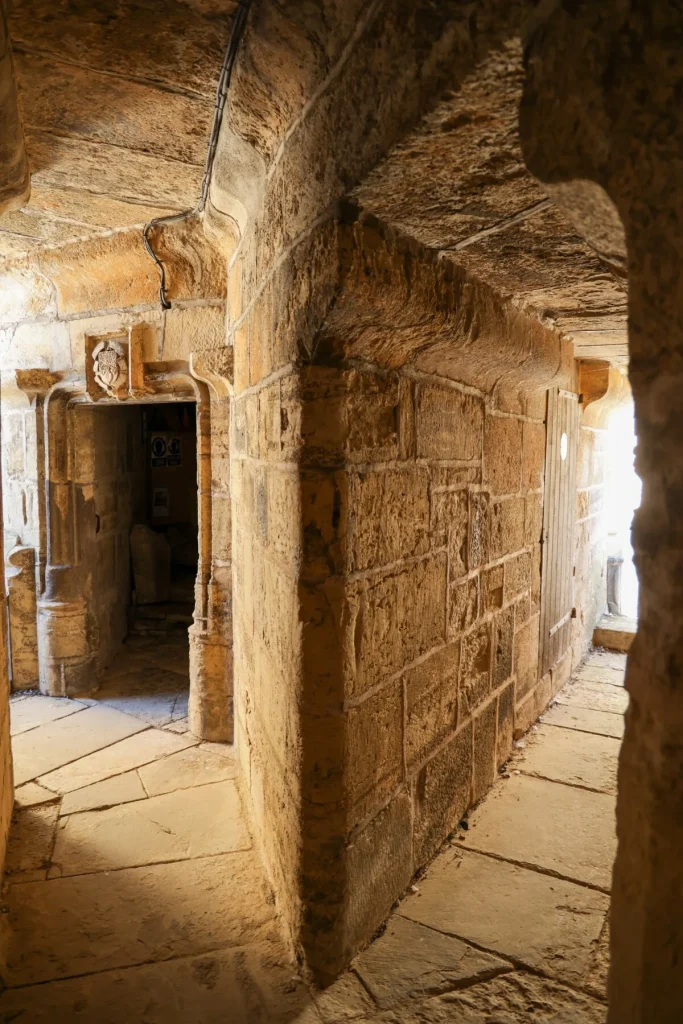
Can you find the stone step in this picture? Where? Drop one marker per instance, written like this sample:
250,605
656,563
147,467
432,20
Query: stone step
615,632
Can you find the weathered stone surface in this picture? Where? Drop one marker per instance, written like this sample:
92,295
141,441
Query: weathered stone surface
449,424
194,766
120,789
176,826
480,530
492,588
116,759
379,865
526,657
44,749
396,496
431,703
533,455
30,842
507,998
475,668
600,674
345,1000
507,527
31,794
409,961
502,454
566,831
548,924
579,759
594,697
36,709
398,618
463,606
205,985
503,645
484,747
442,794
569,716
70,926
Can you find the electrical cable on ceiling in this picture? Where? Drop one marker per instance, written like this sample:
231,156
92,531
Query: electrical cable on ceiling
238,26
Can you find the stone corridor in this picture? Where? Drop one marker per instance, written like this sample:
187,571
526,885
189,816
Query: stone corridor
133,891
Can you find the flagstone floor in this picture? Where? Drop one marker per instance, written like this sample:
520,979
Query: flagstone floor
133,892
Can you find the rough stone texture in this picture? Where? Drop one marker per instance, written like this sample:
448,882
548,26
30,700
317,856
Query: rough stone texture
627,149
32,710
567,831
409,960
69,940
508,999
46,748
115,758
544,923
136,116
583,759
400,293
31,841
120,789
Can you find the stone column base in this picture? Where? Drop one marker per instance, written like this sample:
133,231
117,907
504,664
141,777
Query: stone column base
66,664
211,696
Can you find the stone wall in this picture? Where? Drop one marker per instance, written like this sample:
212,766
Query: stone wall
387,457
110,470
6,779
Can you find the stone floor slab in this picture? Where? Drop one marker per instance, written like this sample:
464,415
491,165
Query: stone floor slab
120,757
30,842
32,710
191,767
516,998
601,674
546,923
48,747
119,789
595,697
69,926
409,961
177,826
567,831
345,1000
568,716
158,709
599,656
574,758
231,986
31,794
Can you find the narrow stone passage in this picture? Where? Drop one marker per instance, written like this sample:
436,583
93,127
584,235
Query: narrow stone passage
134,893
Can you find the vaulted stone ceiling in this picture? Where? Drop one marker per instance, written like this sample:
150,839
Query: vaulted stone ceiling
458,184
117,100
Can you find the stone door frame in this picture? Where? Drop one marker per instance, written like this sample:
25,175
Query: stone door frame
66,662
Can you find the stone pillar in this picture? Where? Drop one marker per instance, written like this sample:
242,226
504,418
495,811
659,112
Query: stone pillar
21,593
211,663
601,118
66,657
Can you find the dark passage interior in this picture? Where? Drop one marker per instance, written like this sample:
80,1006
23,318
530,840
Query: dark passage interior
142,550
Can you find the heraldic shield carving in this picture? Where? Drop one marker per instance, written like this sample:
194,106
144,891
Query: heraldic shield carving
110,366
114,365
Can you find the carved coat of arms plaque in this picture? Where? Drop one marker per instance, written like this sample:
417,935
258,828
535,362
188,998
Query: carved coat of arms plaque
110,366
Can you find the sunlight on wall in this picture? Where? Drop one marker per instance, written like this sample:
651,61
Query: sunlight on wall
623,498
